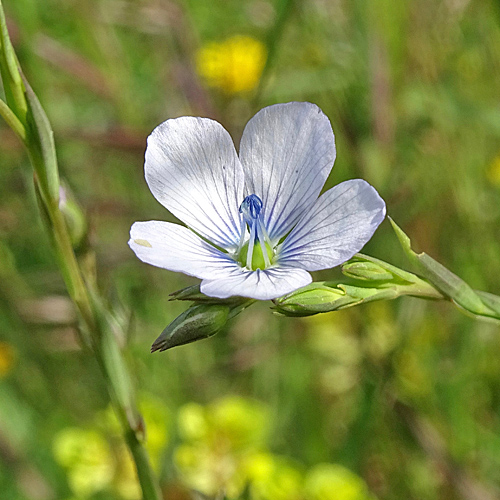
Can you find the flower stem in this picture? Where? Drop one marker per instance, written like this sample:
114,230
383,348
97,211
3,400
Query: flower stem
149,485
372,280
98,334
98,331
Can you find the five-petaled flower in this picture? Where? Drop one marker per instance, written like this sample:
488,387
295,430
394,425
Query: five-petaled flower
255,224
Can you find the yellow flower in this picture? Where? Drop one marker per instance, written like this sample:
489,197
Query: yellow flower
96,459
241,423
234,65
192,422
327,481
7,358
88,460
273,478
157,419
218,441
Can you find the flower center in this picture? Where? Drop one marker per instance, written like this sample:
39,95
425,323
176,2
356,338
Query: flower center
257,252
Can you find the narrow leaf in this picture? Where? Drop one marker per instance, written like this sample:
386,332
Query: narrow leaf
444,280
492,301
41,147
9,68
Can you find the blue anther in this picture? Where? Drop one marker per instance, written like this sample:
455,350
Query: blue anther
251,207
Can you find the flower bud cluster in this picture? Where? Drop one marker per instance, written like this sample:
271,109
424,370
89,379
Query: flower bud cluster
372,280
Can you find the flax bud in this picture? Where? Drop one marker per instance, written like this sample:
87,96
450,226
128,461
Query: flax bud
313,299
196,323
366,271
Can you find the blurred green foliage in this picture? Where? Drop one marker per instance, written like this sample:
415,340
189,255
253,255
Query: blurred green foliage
402,397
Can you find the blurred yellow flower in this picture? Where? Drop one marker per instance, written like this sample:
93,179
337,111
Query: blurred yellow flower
157,419
244,423
96,459
87,457
218,441
273,478
328,481
234,65
7,358
192,422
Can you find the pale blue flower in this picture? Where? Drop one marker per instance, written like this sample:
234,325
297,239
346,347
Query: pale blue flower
255,224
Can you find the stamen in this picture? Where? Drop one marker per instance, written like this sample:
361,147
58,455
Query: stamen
262,241
251,243
265,235
251,216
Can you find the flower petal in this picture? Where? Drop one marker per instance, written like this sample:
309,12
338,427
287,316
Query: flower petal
260,284
287,152
193,170
339,224
177,248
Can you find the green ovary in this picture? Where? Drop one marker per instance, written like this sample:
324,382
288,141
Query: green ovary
258,261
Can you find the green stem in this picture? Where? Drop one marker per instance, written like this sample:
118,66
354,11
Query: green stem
473,302
104,347
12,121
69,267
26,117
373,280
149,486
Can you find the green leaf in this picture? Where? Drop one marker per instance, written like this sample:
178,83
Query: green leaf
41,147
32,124
492,301
445,281
74,217
11,76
